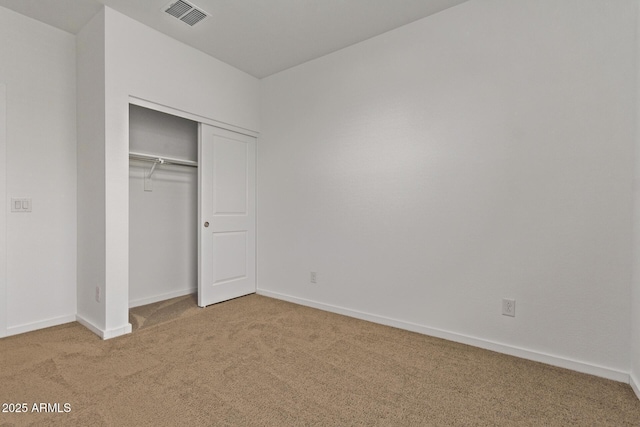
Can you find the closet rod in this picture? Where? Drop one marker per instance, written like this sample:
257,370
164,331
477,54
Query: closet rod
162,159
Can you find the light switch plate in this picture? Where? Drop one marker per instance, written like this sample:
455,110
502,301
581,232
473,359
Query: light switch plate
20,204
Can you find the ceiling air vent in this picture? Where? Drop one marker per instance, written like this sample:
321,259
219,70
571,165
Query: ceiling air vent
186,12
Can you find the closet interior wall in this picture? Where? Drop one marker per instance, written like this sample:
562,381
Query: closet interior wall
162,217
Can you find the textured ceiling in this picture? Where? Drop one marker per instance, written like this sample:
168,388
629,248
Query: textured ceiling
260,37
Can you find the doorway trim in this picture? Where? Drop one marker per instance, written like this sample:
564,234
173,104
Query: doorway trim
140,102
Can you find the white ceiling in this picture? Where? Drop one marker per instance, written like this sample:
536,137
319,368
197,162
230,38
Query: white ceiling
260,37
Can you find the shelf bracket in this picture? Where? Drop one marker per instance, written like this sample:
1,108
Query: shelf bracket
148,183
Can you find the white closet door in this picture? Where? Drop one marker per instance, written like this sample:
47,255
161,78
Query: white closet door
227,215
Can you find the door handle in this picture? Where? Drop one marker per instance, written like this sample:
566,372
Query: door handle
206,224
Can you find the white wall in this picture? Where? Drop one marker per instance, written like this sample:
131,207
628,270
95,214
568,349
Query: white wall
3,211
481,153
635,283
163,243
143,63
91,179
38,69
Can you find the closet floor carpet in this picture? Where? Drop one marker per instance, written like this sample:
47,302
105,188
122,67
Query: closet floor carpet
256,361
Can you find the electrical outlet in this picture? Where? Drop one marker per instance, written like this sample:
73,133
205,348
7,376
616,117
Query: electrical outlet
314,277
97,293
508,307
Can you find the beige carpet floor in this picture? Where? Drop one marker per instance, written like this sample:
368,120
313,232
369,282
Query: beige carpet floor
256,361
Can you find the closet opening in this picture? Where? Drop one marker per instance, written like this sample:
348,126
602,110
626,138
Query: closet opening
163,206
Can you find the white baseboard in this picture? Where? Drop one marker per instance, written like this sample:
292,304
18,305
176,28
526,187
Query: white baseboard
150,300
112,333
635,384
561,362
89,325
102,333
20,329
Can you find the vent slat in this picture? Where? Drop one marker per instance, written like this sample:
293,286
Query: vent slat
185,12
193,17
179,8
